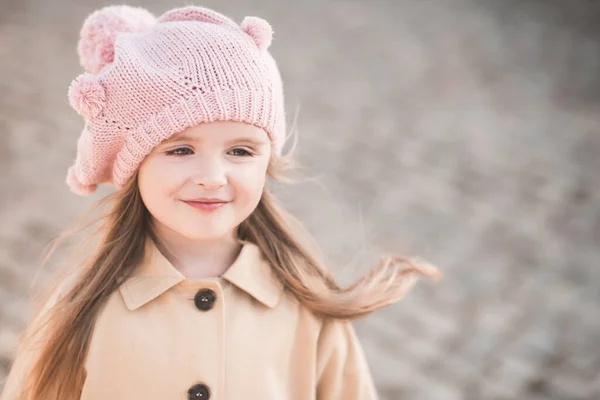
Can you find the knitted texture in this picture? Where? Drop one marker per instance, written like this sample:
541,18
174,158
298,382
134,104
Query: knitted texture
148,78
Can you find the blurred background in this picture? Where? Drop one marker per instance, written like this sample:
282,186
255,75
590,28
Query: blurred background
466,132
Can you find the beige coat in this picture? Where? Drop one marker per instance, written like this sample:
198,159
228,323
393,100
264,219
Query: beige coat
239,336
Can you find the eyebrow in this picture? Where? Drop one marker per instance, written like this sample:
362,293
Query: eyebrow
242,139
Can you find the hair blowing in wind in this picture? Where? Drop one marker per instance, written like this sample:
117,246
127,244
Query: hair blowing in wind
120,132
66,321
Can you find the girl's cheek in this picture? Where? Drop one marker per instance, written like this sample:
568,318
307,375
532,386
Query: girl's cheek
177,169
248,174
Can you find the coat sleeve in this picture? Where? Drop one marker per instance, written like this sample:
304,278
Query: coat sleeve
342,369
26,355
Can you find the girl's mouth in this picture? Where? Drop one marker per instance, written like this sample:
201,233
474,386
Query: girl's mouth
206,206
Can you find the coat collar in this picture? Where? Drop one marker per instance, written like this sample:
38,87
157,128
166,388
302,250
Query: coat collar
250,272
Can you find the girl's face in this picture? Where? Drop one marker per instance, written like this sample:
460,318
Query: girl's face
222,161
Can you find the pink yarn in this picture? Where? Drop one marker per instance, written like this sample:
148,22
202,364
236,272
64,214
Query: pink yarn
96,45
260,30
86,95
155,77
196,14
76,186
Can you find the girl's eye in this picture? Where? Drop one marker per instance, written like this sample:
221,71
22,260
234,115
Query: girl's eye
242,152
181,151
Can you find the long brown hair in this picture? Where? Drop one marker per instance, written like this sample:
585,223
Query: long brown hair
61,329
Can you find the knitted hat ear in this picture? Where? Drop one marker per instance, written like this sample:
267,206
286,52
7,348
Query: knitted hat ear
100,30
194,13
76,186
86,95
260,30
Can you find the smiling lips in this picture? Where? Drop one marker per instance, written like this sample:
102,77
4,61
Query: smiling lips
206,204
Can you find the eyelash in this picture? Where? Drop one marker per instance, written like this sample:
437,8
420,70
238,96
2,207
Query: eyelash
173,152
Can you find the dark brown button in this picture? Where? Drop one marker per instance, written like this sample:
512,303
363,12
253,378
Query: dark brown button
199,391
205,299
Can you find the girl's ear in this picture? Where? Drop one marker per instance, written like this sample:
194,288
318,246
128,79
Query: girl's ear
194,13
100,29
260,30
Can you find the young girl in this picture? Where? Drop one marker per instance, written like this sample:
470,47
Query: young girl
201,286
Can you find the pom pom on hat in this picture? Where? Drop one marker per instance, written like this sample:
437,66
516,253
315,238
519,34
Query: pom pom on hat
260,30
96,45
86,95
76,186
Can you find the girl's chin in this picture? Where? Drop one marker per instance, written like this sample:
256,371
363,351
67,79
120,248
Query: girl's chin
204,234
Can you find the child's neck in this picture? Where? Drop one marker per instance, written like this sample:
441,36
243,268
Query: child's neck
199,259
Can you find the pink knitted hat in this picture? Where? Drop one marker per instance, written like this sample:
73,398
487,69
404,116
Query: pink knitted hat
149,78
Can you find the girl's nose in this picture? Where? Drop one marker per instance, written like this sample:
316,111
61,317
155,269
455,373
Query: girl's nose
210,174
